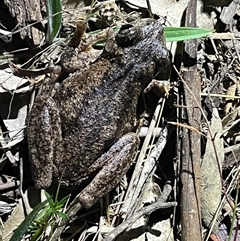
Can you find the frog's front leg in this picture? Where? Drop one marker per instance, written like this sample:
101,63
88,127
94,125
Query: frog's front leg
119,158
44,140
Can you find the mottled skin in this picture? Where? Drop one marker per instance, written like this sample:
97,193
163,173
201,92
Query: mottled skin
69,133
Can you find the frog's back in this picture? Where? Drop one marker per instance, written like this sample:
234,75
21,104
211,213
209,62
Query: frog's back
101,109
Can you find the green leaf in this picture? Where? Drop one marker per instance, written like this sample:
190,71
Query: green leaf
23,227
54,10
48,196
62,215
184,33
48,213
63,201
50,199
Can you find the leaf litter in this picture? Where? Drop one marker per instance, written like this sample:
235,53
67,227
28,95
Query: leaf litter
218,67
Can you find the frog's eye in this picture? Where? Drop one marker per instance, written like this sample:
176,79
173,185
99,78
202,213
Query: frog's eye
109,46
127,35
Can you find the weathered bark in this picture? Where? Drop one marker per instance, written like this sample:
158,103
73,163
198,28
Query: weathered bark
24,13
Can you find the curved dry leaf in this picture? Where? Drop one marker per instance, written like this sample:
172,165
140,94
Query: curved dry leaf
228,120
229,102
18,71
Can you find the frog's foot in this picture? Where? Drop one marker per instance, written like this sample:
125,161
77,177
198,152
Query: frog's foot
163,86
81,27
120,157
79,53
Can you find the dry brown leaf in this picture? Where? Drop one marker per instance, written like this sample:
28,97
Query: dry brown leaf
229,102
211,183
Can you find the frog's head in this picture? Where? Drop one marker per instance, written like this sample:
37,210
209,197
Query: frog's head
143,44
147,36
139,49
139,33
130,34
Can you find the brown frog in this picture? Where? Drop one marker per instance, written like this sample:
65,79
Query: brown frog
83,126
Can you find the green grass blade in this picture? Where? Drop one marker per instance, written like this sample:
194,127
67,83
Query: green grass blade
184,33
54,10
23,227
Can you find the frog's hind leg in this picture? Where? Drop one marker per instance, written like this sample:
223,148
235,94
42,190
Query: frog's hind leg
120,157
44,141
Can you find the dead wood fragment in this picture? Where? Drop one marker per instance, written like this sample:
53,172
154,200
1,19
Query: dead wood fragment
190,173
190,176
160,204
